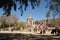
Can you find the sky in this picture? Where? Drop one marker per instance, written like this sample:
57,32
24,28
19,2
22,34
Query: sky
39,13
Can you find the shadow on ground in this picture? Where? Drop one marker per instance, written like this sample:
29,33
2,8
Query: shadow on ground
18,36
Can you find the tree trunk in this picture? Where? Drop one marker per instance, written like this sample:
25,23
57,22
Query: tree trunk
47,20
54,21
9,28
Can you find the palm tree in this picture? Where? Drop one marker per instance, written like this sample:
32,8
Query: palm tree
47,15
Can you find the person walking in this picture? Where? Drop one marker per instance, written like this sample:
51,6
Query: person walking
41,29
44,28
59,30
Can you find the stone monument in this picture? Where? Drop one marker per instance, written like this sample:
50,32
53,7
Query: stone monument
30,23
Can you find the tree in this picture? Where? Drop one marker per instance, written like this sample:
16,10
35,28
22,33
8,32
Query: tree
47,15
0,22
3,21
15,18
12,20
54,6
8,4
22,24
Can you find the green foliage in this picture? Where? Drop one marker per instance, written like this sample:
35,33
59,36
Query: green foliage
8,21
54,6
51,25
54,0
48,14
22,24
7,5
4,26
51,7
